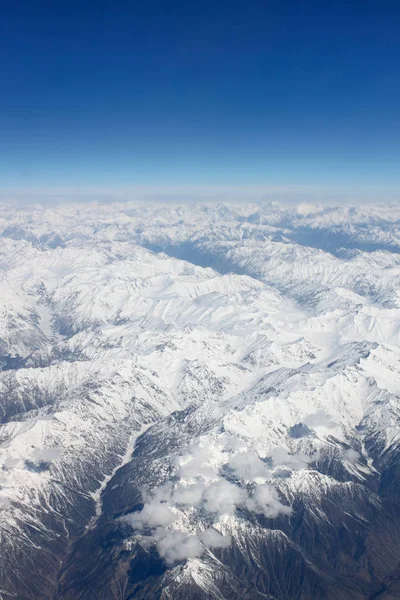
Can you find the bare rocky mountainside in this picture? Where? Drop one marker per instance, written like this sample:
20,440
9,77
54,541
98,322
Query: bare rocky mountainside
199,402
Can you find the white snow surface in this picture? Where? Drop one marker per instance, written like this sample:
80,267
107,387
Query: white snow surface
110,320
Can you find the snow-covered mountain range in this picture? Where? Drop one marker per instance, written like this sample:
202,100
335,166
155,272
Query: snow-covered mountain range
199,401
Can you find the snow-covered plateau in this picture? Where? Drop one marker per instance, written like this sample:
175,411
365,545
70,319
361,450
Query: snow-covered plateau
199,402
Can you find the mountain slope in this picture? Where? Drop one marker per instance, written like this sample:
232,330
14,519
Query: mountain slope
199,402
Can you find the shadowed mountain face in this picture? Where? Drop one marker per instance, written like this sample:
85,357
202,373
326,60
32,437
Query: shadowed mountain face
200,402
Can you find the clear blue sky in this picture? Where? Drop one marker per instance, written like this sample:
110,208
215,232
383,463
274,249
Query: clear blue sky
246,93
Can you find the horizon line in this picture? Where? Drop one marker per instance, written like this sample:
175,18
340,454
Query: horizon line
201,193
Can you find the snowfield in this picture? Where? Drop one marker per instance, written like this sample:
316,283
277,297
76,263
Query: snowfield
199,401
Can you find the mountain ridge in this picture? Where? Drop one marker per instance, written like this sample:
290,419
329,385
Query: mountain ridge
170,429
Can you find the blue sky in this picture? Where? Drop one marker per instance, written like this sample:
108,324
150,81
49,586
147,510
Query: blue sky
287,94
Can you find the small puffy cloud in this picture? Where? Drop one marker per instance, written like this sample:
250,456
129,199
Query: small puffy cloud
188,495
46,454
213,539
198,462
230,443
323,424
174,546
305,209
248,466
265,500
294,462
160,494
352,455
153,514
222,497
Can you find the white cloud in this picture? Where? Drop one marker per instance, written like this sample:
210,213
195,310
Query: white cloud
213,539
265,500
230,443
352,455
248,466
295,462
222,497
46,454
323,424
202,488
199,461
306,209
153,514
174,546
189,495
